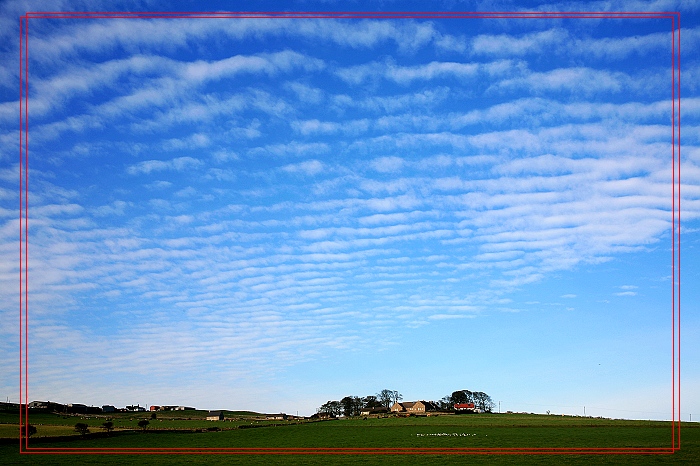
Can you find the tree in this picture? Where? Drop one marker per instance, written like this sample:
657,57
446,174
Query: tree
384,397
82,428
396,397
371,401
143,424
458,397
333,408
351,405
153,415
446,403
469,395
108,426
483,402
29,430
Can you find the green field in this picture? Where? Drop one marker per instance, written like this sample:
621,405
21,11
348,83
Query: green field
189,430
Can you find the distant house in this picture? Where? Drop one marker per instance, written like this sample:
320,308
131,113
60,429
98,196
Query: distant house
215,416
170,408
277,417
108,409
48,406
465,408
135,408
376,410
77,408
414,407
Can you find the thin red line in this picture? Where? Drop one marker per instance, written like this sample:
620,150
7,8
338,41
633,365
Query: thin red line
353,14
347,451
374,13
26,227
20,229
673,234
346,17
358,448
679,232
612,14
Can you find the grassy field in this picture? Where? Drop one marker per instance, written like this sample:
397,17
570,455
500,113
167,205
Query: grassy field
468,431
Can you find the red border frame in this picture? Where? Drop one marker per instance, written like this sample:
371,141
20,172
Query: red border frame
23,230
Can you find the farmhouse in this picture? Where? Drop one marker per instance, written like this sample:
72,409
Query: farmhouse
414,407
465,408
135,408
215,416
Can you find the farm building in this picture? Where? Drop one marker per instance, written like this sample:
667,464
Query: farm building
215,416
368,411
465,408
414,407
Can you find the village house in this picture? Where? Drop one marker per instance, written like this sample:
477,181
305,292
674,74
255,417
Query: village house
414,407
215,416
465,408
135,408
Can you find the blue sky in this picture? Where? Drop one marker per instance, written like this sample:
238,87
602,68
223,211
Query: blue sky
270,213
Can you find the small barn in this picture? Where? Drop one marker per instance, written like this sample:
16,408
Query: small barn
375,410
215,416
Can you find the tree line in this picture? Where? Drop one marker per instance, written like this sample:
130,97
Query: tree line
481,400
353,405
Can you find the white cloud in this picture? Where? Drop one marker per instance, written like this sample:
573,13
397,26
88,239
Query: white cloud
578,79
387,164
308,167
176,164
506,45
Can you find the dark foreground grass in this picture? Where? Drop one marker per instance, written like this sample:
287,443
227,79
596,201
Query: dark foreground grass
486,431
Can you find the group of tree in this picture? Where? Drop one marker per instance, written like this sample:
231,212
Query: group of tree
352,405
481,400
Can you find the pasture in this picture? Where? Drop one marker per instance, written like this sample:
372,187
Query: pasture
449,431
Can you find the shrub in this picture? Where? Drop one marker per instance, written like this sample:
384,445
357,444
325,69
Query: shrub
82,428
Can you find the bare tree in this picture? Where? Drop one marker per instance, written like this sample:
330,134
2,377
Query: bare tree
386,396
483,402
108,426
